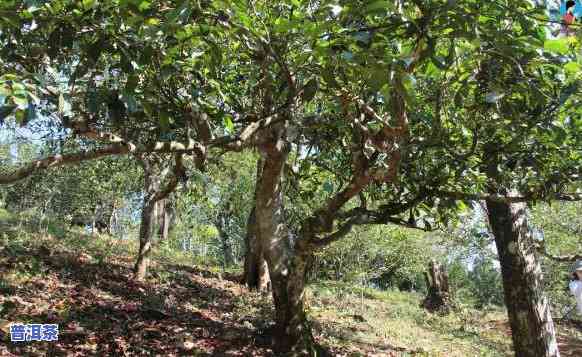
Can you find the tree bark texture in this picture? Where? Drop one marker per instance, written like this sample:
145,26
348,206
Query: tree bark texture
531,322
164,216
146,232
154,192
287,264
225,241
437,283
256,271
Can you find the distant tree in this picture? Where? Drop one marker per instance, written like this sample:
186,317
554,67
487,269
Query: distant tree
160,180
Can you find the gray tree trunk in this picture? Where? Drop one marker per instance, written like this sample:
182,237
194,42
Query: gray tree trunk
256,271
146,233
531,322
287,265
154,193
225,241
167,220
148,218
112,219
437,283
164,216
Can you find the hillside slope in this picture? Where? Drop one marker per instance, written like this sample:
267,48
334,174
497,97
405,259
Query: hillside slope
83,284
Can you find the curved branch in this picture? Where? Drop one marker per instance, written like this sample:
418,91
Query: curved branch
179,171
337,235
60,160
116,149
362,216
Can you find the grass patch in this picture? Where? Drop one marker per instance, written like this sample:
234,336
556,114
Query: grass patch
348,316
86,280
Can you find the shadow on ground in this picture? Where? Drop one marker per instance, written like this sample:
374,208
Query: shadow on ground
101,311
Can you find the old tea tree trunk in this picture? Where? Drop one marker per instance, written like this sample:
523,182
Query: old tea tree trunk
288,259
437,283
154,174
531,323
256,272
287,264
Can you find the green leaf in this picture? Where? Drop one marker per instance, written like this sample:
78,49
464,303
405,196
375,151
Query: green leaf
152,21
164,120
5,91
378,6
229,125
144,5
572,68
559,46
246,20
88,4
132,83
20,116
328,187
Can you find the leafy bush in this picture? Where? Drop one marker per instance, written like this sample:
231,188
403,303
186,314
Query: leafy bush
380,256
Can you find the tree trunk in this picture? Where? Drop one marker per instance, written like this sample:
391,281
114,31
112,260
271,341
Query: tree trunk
256,272
148,219
94,221
437,283
531,323
146,233
167,219
154,193
112,219
287,264
164,216
225,242
292,335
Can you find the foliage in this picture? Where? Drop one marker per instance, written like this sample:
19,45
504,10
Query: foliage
213,209
413,107
559,225
381,256
93,189
146,72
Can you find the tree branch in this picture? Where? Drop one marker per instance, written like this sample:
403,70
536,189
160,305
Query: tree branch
116,149
178,172
361,216
240,141
340,233
60,160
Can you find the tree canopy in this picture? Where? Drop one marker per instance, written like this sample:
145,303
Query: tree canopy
363,112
